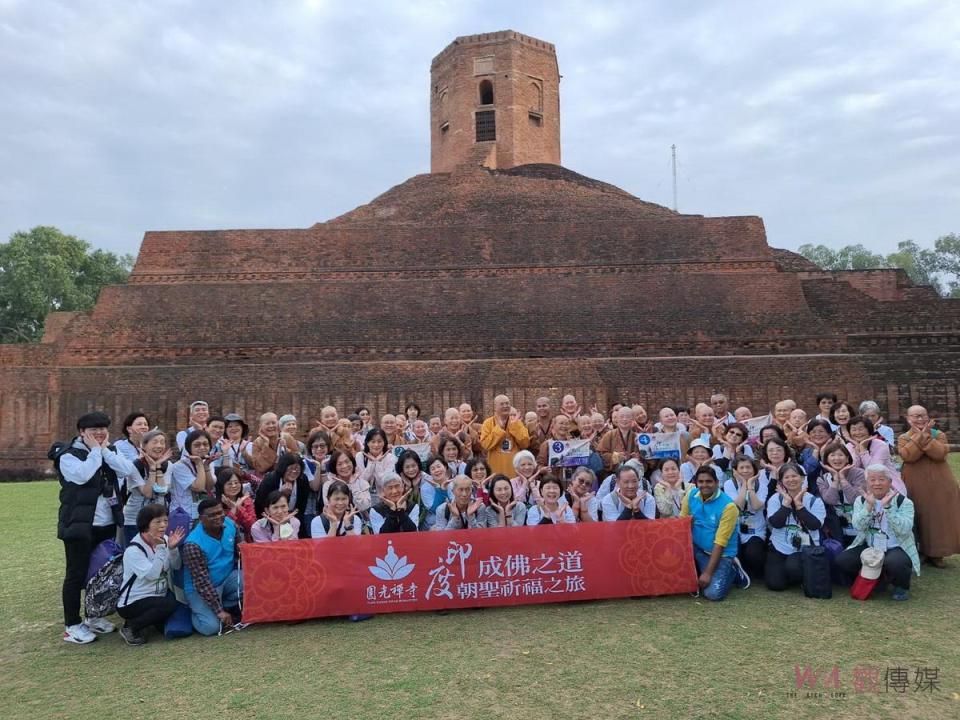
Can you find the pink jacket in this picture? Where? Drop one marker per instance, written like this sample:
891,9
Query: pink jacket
878,454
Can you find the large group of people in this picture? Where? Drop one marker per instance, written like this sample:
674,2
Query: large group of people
883,503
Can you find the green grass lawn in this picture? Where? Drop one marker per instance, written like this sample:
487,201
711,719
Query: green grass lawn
672,657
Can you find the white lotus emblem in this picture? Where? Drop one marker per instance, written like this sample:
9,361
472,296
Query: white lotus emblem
391,567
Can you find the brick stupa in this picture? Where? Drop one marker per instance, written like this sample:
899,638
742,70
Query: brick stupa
500,271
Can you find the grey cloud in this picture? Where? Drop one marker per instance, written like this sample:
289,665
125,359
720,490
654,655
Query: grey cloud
836,123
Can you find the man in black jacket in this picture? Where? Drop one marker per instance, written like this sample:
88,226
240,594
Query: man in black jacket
90,472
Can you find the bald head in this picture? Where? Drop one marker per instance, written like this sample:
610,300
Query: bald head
329,417
452,420
917,417
269,426
560,427
543,408
704,415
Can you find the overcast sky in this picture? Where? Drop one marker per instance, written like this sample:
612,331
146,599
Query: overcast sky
837,122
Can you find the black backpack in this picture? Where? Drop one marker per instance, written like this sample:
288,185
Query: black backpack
56,451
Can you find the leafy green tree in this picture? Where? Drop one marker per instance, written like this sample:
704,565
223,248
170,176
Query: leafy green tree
45,270
948,256
938,267
850,257
921,264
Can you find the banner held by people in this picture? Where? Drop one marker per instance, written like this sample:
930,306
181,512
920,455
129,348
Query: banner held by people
755,425
421,449
466,568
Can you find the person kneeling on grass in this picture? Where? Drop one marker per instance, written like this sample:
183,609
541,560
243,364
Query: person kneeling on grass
278,523
715,538
145,597
212,579
883,519
795,518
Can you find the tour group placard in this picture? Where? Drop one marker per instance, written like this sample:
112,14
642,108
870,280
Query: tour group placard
403,572
659,446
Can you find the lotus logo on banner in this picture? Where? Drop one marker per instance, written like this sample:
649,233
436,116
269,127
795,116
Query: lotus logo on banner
391,567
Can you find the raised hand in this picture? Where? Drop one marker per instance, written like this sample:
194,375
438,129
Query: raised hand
174,538
348,517
886,500
717,430
331,516
626,502
473,507
452,509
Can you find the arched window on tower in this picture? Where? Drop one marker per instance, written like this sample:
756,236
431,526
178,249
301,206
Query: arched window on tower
486,92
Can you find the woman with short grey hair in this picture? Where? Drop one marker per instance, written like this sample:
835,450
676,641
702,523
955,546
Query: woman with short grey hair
871,411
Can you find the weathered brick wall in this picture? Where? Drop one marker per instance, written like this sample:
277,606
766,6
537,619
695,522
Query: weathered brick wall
887,285
30,410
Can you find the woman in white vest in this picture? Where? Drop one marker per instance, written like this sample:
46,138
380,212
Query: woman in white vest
145,596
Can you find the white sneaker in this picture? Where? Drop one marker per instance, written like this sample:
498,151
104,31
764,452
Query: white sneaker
78,634
101,626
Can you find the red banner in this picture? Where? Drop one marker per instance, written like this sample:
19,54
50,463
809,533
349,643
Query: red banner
296,580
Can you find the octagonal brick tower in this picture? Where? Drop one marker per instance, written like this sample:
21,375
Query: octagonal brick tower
494,101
